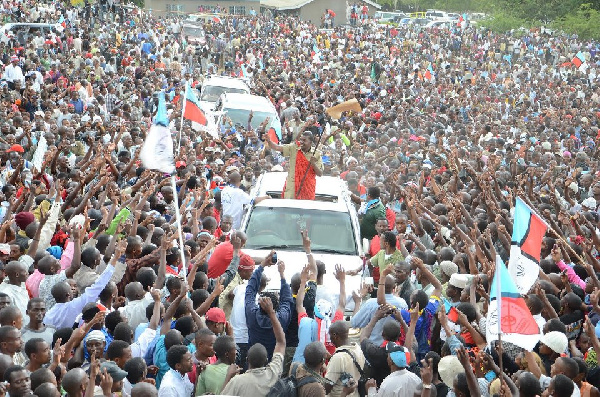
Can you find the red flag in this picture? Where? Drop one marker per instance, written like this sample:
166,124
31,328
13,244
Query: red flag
273,135
191,110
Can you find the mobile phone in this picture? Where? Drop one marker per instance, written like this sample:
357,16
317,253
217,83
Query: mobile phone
274,258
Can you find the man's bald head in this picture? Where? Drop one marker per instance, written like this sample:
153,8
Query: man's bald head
61,292
134,291
144,389
339,328
47,390
73,381
235,178
241,235
390,284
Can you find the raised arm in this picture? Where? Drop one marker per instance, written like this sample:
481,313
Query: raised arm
428,275
471,379
302,291
155,319
272,145
340,275
267,306
380,313
166,325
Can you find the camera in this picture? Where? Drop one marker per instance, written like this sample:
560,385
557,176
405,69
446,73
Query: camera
346,379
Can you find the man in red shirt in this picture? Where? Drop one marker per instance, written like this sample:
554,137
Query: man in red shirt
222,255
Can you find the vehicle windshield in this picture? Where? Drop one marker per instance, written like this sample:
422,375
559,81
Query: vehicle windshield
240,116
277,227
193,31
212,93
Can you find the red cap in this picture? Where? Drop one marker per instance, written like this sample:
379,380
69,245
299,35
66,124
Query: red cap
180,164
16,148
215,315
246,262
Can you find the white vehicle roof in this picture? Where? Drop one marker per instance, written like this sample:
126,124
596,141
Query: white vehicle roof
303,204
245,101
224,81
11,25
328,188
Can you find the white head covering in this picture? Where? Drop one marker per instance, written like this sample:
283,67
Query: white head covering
324,311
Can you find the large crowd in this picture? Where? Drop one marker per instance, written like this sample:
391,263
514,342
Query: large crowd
455,125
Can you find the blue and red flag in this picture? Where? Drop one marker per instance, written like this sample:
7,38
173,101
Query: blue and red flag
517,324
191,107
429,72
578,59
528,231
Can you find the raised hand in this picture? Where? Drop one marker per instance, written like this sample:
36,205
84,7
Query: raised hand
340,273
305,240
266,304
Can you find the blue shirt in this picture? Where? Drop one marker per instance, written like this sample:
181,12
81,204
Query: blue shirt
260,328
423,327
367,311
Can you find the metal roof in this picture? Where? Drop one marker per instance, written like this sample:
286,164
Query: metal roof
295,4
285,4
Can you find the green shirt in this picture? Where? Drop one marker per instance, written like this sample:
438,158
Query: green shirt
367,224
379,260
211,379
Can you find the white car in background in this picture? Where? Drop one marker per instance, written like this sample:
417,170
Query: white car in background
235,108
215,86
331,222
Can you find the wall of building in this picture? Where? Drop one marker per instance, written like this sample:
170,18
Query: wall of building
314,10
164,7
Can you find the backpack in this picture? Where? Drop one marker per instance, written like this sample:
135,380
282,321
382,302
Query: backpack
289,386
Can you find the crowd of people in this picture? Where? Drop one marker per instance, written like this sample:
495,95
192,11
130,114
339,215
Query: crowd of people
454,125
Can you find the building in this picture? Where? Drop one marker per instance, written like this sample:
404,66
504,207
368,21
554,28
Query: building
181,7
313,10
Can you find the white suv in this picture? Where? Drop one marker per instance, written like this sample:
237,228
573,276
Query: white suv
331,222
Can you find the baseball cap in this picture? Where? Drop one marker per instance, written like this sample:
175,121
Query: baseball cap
398,354
215,315
16,148
180,164
116,373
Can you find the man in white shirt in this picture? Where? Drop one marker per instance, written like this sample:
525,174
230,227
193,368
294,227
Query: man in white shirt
66,309
176,383
14,286
13,72
401,382
138,301
233,199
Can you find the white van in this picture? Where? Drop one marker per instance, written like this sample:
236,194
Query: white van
194,34
215,86
235,108
24,32
331,222
436,14
387,16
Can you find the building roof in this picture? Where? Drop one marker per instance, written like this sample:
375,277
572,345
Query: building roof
284,4
295,4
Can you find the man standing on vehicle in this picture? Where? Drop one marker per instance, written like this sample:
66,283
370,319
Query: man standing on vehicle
305,165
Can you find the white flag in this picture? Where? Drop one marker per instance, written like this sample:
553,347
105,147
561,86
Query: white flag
157,152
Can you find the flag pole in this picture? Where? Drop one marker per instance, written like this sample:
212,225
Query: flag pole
179,228
181,121
498,286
